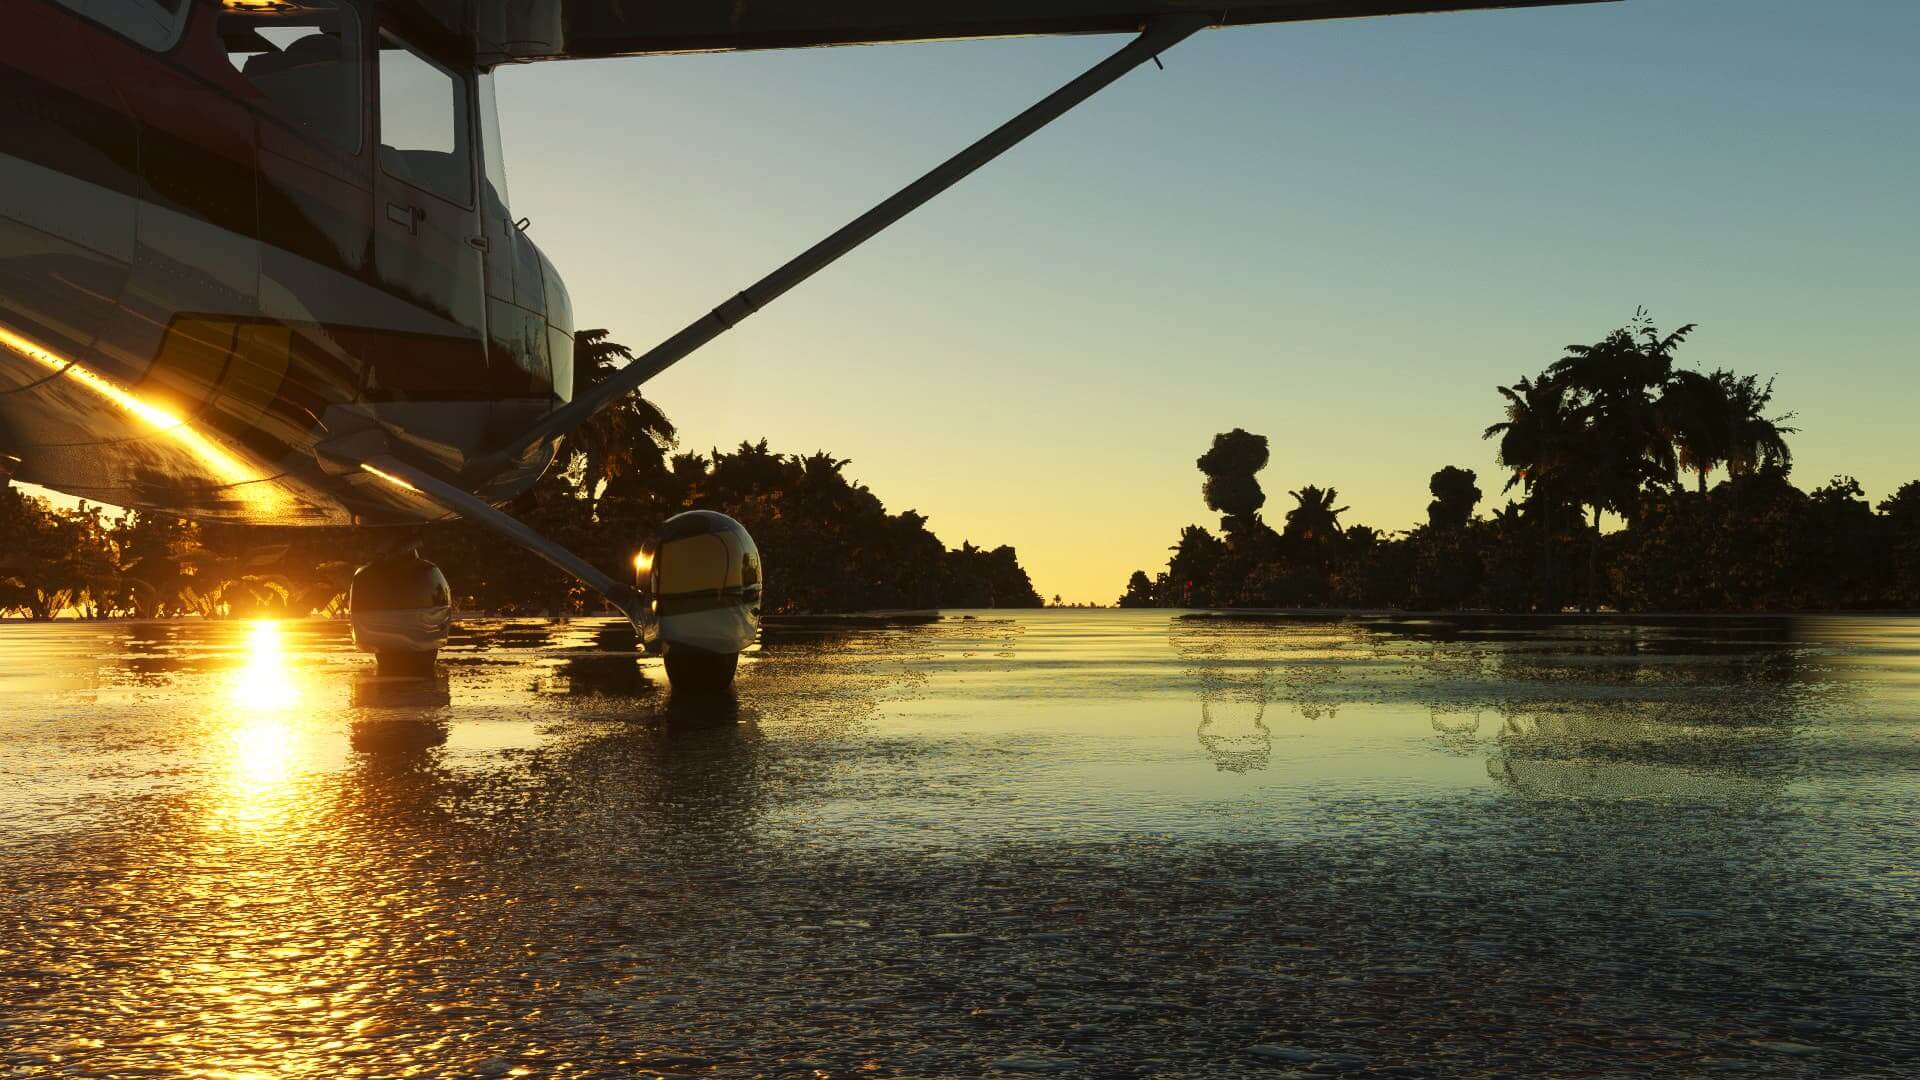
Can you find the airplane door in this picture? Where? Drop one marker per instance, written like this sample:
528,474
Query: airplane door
496,215
427,236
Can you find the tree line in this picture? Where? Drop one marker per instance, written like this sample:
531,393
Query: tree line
832,544
1693,465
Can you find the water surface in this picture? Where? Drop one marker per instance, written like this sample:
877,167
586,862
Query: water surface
1088,843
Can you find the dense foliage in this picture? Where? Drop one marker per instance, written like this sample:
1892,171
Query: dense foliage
831,544
1610,428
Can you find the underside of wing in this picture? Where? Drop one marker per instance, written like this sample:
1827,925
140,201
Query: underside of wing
509,30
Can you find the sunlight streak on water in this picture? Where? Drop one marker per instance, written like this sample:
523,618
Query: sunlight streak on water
265,736
265,684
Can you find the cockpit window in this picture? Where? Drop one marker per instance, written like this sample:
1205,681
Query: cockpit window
306,61
424,136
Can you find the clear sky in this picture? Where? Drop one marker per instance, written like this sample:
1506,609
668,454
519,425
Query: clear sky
1339,235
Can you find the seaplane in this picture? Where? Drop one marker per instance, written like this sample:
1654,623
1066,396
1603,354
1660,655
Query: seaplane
258,264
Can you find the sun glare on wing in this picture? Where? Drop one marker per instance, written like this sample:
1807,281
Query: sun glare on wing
229,469
388,477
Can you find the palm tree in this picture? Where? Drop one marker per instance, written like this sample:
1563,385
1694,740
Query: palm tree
1194,559
1694,413
1539,440
1755,441
628,437
1625,446
1315,518
1539,436
1626,363
1720,419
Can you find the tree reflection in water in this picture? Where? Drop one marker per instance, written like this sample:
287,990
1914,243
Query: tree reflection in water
1586,707
1458,729
1231,664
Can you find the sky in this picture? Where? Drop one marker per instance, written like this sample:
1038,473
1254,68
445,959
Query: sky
1339,235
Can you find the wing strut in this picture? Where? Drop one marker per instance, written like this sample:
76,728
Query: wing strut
1159,34
478,510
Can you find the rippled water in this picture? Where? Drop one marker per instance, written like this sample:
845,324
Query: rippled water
1101,844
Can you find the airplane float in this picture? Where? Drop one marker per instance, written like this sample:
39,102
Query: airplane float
257,264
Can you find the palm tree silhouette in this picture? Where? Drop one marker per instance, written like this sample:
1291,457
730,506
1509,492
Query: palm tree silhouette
1720,419
1626,446
1539,441
1315,518
1694,411
630,437
1194,559
1755,441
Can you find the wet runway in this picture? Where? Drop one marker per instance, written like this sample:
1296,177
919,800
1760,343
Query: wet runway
1078,843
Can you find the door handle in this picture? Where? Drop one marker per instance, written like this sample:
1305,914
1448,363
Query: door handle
401,214
480,243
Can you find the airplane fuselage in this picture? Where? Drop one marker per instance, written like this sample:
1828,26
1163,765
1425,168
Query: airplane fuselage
234,239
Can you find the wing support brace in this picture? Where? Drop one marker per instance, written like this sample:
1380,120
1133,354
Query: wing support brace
1158,35
475,509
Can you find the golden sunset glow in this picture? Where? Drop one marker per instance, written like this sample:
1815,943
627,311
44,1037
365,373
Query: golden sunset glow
229,469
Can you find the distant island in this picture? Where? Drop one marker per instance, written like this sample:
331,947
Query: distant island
1690,468
615,480
1689,464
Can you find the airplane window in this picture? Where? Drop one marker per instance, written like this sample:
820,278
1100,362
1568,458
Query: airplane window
306,61
423,123
153,23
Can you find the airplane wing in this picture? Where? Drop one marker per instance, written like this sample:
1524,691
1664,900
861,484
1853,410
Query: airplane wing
505,30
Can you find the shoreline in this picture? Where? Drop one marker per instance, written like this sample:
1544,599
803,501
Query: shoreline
881,618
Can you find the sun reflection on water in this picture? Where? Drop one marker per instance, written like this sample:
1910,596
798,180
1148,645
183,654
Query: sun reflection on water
265,683
264,734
